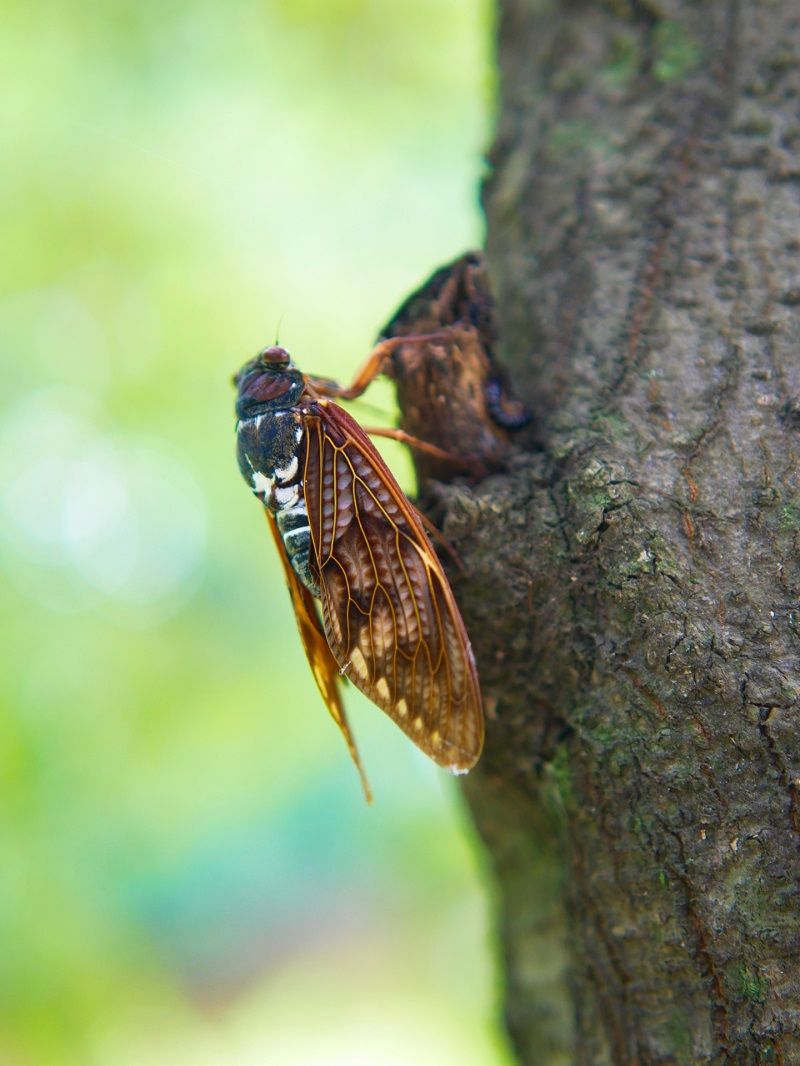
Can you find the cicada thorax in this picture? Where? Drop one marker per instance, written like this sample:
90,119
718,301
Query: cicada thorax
271,444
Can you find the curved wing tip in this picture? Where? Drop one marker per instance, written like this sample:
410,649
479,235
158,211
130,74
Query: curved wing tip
366,790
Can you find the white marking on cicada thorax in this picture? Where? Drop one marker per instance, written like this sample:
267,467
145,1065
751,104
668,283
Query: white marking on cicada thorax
286,473
262,485
286,497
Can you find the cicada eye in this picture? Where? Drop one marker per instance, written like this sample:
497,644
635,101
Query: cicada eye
275,356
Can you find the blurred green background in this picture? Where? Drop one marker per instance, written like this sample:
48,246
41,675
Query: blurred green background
189,873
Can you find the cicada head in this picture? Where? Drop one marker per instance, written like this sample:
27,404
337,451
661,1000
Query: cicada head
269,382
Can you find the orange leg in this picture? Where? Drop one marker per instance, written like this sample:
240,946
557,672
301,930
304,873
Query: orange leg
367,372
372,366
465,461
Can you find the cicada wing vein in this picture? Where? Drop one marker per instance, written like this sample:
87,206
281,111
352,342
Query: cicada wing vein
389,615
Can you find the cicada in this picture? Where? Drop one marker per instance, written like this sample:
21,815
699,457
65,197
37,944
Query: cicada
372,601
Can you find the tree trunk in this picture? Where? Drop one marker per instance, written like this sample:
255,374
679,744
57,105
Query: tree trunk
631,580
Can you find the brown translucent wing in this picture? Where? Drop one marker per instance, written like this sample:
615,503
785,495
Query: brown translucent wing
322,663
389,614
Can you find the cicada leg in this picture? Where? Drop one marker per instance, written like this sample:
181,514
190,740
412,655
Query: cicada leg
466,461
366,374
371,367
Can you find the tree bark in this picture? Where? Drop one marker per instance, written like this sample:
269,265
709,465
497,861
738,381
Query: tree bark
631,581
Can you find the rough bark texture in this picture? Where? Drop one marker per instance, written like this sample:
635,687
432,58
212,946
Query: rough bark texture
631,582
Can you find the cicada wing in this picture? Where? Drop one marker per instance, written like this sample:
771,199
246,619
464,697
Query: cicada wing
323,665
390,617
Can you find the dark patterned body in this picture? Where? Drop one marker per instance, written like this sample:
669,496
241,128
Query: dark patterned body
271,452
